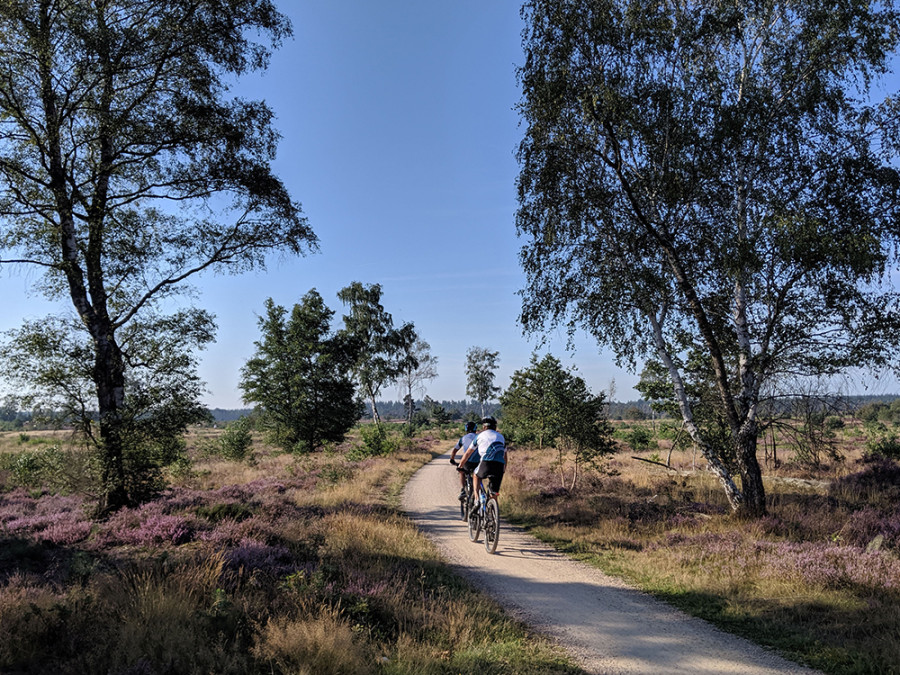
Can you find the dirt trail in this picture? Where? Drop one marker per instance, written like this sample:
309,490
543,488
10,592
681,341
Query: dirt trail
606,626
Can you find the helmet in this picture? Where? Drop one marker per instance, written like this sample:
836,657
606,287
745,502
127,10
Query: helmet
470,427
490,422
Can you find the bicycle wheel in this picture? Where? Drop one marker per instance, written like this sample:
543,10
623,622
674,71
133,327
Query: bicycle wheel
491,526
466,506
474,522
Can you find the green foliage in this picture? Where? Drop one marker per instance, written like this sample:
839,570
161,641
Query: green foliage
376,442
880,412
236,441
300,376
107,126
417,366
881,441
534,404
381,352
54,469
436,411
548,405
634,413
639,438
481,367
833,423
668,207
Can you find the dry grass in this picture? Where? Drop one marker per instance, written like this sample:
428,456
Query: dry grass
324,644
799,580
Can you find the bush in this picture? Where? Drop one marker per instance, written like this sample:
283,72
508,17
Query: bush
639,438
236,441
376,442
881,442
58,470
833,423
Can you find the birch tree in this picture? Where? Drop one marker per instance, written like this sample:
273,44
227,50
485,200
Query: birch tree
125,171
481,367
379,346
417,366
712,179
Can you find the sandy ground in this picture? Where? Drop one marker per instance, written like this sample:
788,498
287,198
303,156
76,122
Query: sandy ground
605,625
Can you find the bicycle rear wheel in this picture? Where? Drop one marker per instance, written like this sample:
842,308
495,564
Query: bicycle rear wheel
491,526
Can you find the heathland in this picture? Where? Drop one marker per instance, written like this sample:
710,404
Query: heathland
266,561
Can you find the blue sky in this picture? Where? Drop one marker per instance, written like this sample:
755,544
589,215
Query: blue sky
398,137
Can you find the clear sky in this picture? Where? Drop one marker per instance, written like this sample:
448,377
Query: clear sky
398,137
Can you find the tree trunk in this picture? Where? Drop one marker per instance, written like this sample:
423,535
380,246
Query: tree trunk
109,376
754,504
375,416
732,493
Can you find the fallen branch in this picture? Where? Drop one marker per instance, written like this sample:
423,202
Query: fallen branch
650,461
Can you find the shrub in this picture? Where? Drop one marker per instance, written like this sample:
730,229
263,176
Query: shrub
236,441
376,442
833,423
60,471
639,438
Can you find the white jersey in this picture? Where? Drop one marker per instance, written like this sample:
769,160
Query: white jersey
463,445
491,446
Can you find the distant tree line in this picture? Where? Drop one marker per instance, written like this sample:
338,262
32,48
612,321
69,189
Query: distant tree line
454,410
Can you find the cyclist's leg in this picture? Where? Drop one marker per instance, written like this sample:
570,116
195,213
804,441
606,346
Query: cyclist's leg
479,475
495,474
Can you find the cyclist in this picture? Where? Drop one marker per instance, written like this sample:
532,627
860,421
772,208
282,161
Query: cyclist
491,445
468,467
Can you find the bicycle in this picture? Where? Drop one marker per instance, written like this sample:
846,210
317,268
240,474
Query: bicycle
468,501
486,515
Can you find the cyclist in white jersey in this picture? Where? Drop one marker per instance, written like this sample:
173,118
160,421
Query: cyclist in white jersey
472,464
491,445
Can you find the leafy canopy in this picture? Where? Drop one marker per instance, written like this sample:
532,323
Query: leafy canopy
125,170
710,179
300,376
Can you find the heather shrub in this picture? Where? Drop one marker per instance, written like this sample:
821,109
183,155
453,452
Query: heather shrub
878,482
146,526
863,526
57,519
251,556
832,567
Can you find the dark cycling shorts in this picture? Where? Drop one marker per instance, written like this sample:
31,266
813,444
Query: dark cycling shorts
470,466
494,470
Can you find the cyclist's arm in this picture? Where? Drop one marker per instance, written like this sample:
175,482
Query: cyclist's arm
468,453
456,448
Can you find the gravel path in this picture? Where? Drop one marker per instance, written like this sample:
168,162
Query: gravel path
607,626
